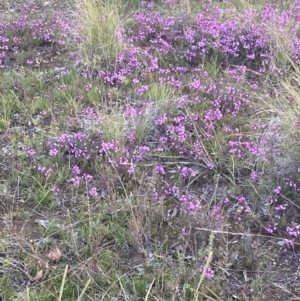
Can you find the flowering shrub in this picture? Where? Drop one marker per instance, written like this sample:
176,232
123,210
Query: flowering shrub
40,30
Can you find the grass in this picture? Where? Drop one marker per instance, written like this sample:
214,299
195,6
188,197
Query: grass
101,26
144,156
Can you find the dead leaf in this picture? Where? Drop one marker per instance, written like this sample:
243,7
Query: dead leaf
38,276
54,254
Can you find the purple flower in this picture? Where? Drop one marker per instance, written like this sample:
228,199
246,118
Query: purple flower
210,165
76,170
161,120
160,170
93,191
131,169
209,273
76,181
53,152
185,231
55,189
226,201
277,190
30,152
